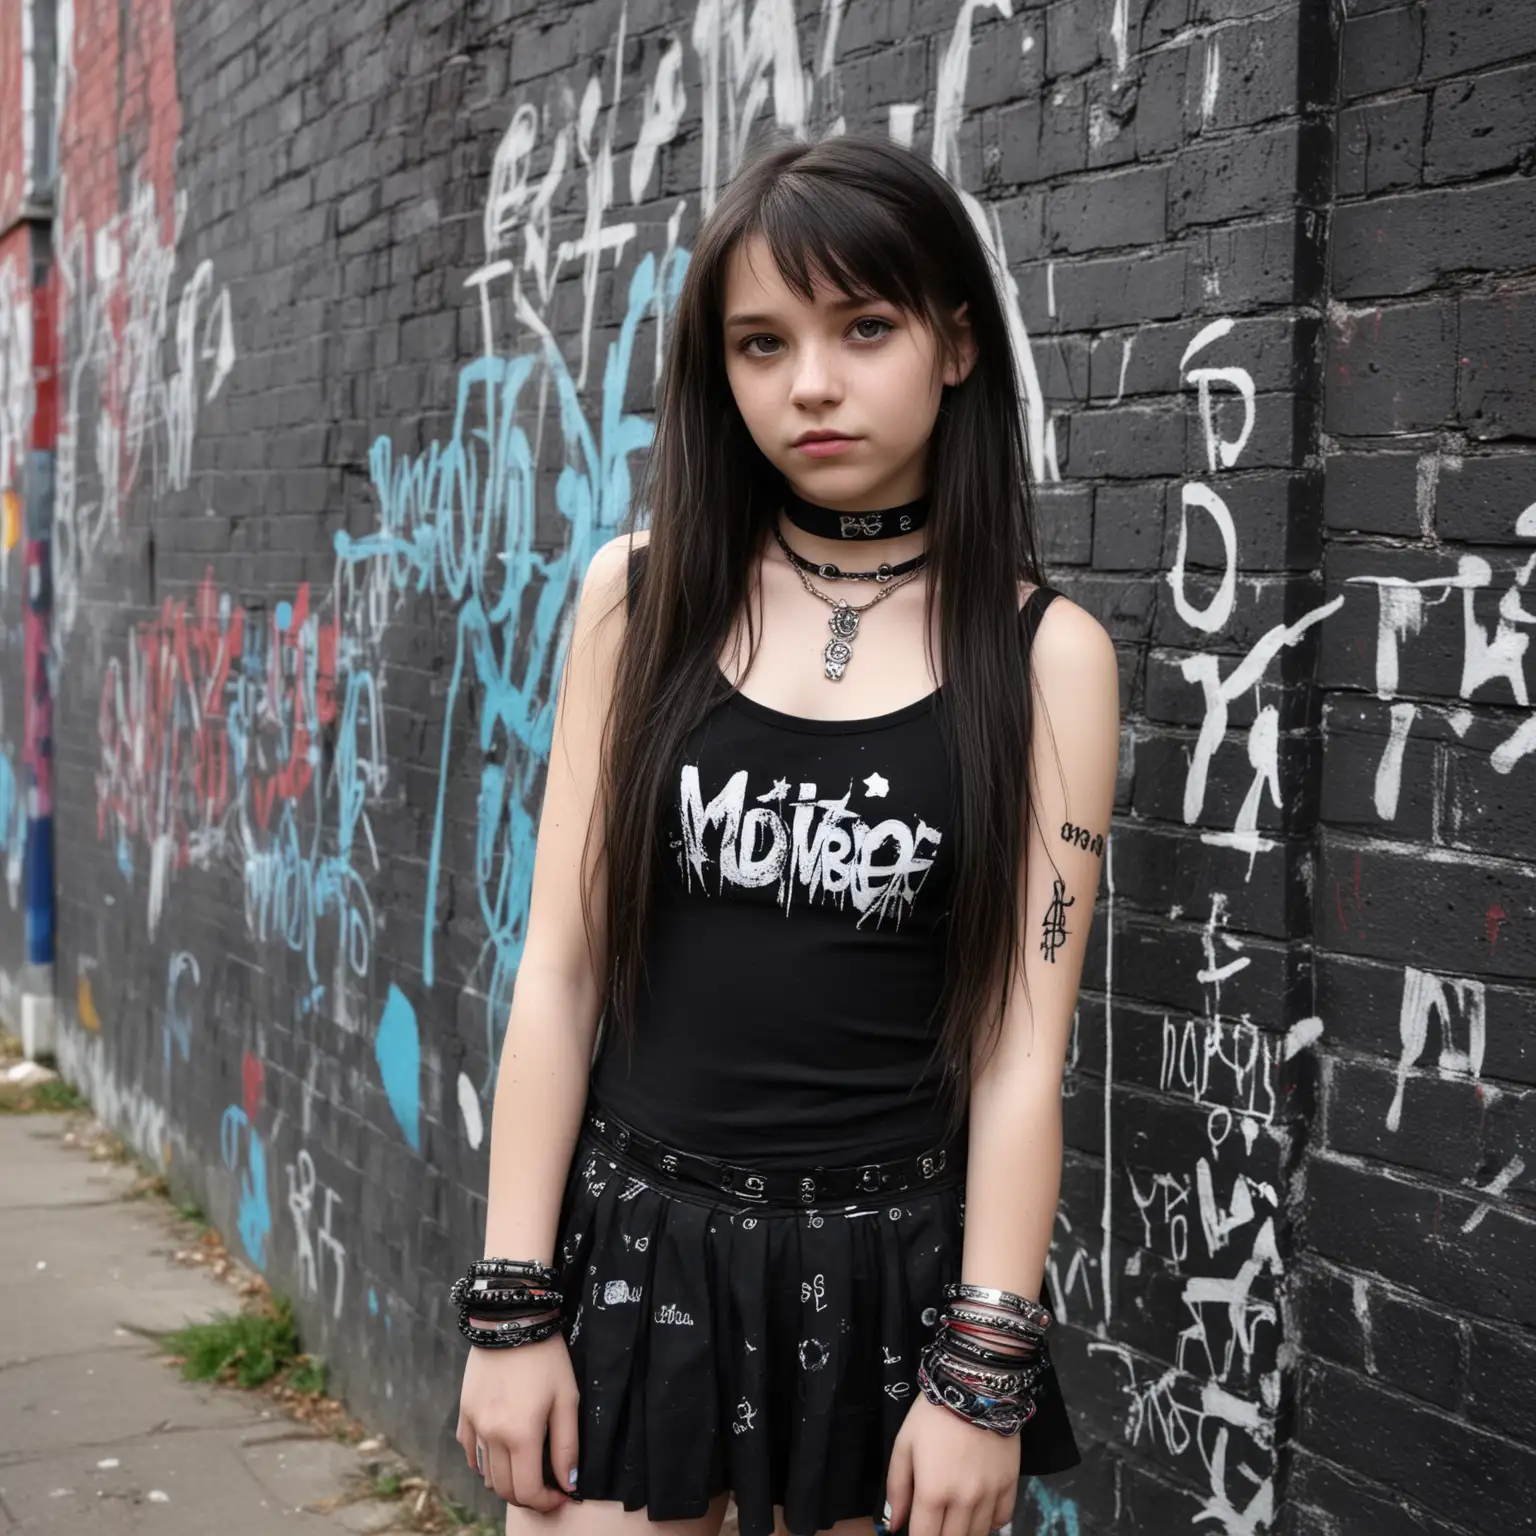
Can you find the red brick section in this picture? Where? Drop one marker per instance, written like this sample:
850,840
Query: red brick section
12,135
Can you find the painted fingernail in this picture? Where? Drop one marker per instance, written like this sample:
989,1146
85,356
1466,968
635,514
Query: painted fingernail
571,1479
887,1511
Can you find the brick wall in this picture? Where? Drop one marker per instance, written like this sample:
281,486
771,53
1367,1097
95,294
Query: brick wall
27,414
16,412
1272,265
1414,1296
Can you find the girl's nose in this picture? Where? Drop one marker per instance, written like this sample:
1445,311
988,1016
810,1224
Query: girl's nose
816,377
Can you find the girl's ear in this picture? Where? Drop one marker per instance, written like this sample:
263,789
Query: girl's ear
958,370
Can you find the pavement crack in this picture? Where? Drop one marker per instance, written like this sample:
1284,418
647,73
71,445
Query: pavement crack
163,1428
65,1354
278,1439
74,1205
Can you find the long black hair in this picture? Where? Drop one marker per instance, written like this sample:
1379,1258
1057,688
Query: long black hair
868,218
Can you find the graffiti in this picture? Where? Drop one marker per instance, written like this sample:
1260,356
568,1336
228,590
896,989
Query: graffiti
398,1049
15,379
245,1156
141,1121
13,827
1189,1421
1458,1006
1489,657
123,415
1070,1267
139,362
1203,668
163,776
283,696
1211,1222
210,739
1214,1406
312,1206
1056,1514
291,882
1218,1061
178,1016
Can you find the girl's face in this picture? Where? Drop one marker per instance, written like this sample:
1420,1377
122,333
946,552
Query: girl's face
862,369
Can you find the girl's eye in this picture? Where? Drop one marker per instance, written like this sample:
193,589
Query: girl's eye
874,320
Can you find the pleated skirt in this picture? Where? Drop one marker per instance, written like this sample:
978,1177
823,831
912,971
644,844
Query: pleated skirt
771,1351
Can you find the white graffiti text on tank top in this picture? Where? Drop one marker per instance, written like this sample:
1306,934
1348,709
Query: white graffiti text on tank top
817,849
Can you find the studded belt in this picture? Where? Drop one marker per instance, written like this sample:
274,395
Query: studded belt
780,1186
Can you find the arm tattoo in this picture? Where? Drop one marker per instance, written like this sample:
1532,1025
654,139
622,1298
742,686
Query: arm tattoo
1054,927
1081,837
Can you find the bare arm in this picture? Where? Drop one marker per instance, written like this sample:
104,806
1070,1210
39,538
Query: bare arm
1014,1178
541,1083
948,1477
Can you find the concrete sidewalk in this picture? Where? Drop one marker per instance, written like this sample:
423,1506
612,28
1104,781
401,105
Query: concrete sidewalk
97,1432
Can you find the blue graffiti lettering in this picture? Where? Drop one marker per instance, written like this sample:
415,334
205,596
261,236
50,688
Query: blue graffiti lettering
254,1219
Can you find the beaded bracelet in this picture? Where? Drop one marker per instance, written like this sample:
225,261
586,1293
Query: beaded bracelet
525,1311
514,1298
523,1269
494,1338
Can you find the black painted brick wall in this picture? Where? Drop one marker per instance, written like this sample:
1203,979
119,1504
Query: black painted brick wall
1413,1299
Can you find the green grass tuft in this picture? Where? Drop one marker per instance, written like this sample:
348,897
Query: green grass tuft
308,1375
57,1095
246,1348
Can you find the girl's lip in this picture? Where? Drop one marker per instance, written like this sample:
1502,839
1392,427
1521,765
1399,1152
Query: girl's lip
825,445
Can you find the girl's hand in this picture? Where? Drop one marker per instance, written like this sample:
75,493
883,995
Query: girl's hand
510,1398
950,1478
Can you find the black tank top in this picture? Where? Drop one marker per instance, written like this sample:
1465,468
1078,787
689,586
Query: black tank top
797,940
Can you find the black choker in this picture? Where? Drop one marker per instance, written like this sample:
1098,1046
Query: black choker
825,523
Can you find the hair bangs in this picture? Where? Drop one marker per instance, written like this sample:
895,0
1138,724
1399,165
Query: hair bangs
819,229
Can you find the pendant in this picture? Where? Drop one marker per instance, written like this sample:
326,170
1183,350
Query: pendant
844,624
866,526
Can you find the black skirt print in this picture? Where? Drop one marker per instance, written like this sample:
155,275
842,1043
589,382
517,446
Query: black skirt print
771,1351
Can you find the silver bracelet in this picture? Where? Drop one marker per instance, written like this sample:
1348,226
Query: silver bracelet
978,1375
1014,1327
1030,1312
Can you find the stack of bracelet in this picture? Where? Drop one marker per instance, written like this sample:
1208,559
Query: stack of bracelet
523,1311
984,1364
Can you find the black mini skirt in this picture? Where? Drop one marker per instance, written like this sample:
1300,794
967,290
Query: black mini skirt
763,1346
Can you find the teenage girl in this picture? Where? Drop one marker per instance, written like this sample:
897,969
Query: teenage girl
831,778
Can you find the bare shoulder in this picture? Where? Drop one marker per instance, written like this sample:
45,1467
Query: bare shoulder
604,584
610,564
1073,656
1076,681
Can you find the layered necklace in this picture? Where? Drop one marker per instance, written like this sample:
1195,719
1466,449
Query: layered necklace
826,523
